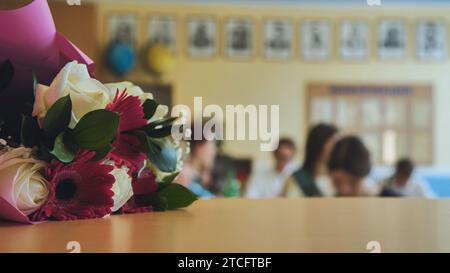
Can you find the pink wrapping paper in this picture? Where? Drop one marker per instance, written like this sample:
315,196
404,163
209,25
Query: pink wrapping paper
10,213
29,39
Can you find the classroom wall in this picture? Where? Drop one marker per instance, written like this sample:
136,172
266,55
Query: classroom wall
258,81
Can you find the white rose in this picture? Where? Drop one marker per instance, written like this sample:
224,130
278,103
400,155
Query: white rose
87,94
21,183
161,112
122,188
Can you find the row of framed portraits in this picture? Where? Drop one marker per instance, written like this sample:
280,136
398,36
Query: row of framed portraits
279,36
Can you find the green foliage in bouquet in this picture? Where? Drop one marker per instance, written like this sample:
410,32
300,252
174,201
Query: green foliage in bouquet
95,131
152,136
177,195
169,195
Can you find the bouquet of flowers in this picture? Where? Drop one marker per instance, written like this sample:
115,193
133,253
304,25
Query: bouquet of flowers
89,150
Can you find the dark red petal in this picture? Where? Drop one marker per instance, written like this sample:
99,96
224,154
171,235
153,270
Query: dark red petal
145,183
127,151
131,111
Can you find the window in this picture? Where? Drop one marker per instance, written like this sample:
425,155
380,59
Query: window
393,120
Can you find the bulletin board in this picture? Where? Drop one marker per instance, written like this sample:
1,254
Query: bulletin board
394,121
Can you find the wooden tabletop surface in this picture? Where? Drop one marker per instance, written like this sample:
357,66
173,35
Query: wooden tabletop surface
239,225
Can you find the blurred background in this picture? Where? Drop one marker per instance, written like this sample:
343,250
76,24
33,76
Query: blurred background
381,73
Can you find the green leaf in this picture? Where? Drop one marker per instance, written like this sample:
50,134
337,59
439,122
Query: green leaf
102,153
170,178
6,74
167,180
142,136
177,196
158,202
96,129
163,154
58,117
160,123
150,107
29,132
154,146
160,132
61,150
160,128
162,204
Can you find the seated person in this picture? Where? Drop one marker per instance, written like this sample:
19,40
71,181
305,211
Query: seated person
197,167
349,166
404,182
312,179
269,182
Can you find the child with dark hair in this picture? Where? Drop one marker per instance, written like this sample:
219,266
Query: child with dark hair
349,166
404,182
312,179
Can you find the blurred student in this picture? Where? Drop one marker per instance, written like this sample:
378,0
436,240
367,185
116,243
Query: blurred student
197,168
349,166
269,182
404,182
312,178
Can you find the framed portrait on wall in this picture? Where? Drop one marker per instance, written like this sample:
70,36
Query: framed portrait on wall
201,36
162,30
122,28
315,36
431,40
354,40
278,39
239,38
391,39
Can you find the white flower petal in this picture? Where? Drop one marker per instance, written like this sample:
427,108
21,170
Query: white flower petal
161,112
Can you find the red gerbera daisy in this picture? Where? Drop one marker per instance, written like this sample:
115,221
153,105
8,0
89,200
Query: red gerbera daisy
143,185
126,147
127,151
80,190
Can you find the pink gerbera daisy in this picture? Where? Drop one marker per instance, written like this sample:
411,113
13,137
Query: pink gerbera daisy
80,190
127,147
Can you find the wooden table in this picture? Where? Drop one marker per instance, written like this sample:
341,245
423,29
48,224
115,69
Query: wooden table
239,225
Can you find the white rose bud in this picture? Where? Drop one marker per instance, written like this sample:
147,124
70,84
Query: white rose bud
87,94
